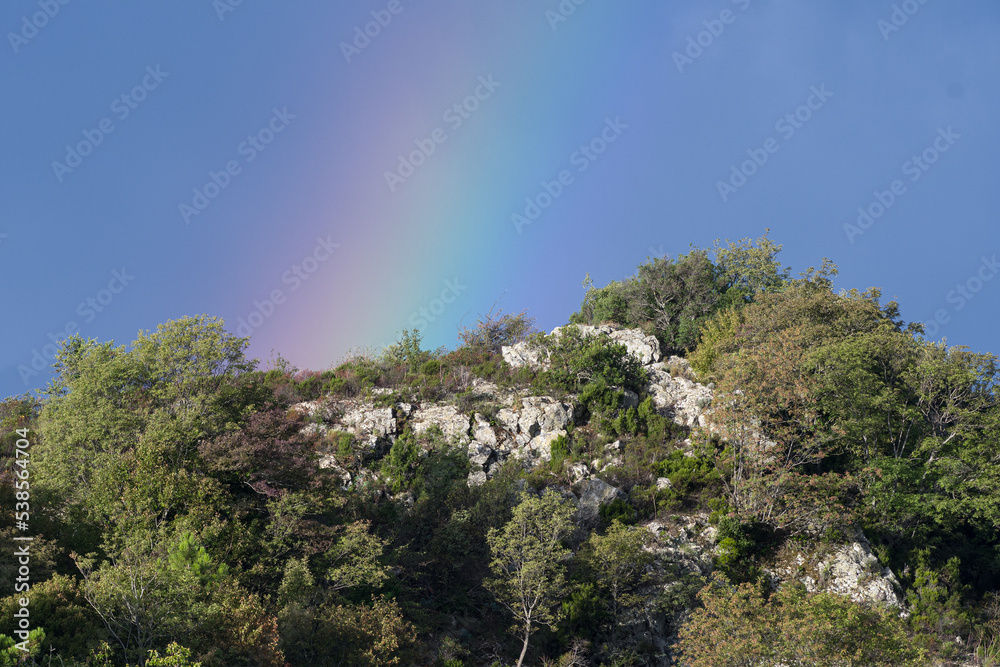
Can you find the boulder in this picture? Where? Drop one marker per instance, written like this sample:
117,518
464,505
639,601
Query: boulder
480,455
642,346
453,424
594,493
542,414
541,446
483,433
849,569
682,399
854,571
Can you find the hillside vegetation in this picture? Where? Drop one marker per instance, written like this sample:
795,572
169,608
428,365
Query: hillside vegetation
713,464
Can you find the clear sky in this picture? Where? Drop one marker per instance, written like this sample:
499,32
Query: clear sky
325,174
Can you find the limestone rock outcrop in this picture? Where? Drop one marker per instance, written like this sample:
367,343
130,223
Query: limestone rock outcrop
682,399
645,348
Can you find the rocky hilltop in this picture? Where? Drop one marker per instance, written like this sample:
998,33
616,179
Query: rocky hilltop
522,428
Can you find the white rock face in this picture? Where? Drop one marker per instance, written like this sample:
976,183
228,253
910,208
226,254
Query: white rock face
452,423
542,414
483,433
309,409
854,571
851,570
578,471
369,420
594,494
480,454
643,347
684,400
541,446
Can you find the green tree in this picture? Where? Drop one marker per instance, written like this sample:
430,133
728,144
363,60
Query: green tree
527,562
669,298
575,361
752,269
140,599
406,351
355,558
175,656
739,626
12,655
57,605
121,426
619,560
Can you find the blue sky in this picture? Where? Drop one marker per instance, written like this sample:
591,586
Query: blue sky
322,188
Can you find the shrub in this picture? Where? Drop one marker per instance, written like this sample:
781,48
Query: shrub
669,298
496,329
575,360
403,457
740,625
688,475
269,454
560,452
741,547
617,510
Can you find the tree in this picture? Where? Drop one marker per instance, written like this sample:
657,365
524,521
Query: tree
406,350
739,626
527,564
121,426
268,455
676,297
750,269
355,558
138,597
619,560
773,439
176,656
669,298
